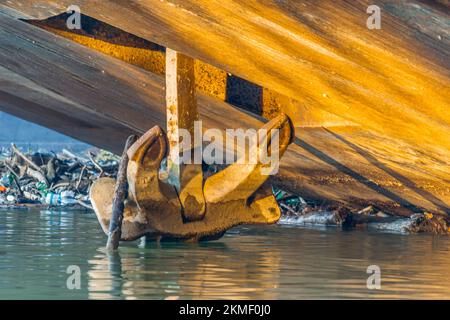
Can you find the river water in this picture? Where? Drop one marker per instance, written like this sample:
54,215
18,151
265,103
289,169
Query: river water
37,248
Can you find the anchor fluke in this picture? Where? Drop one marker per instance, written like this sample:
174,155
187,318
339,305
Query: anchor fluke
240,181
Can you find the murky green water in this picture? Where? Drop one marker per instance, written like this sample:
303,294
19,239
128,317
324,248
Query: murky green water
274,262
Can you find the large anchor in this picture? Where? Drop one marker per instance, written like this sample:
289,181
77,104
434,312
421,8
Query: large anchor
178,202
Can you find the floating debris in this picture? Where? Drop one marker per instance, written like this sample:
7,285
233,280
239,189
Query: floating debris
417,223
321,218
51,180
298,212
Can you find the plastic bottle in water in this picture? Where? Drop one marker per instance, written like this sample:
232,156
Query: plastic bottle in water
62,199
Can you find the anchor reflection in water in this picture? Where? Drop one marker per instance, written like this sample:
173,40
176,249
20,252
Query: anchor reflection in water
131,274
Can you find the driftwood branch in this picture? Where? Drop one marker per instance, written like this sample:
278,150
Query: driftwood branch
25,158
10,169
40,173
120,194
291,211
80,178
15,177
64,184
99,167
85,205
72,156
51,171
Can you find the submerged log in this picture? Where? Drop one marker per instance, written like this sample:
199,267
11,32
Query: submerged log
417,223
343,218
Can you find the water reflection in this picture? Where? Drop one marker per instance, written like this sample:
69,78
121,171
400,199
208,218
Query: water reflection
179,271
275,262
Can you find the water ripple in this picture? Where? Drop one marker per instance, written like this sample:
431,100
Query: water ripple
273,262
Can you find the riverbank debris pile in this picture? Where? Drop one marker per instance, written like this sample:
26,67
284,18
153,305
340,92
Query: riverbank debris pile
47,179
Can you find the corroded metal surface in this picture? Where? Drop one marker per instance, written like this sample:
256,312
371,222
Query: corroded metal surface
154,209
182,113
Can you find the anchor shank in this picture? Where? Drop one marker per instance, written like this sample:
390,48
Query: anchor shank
181,104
